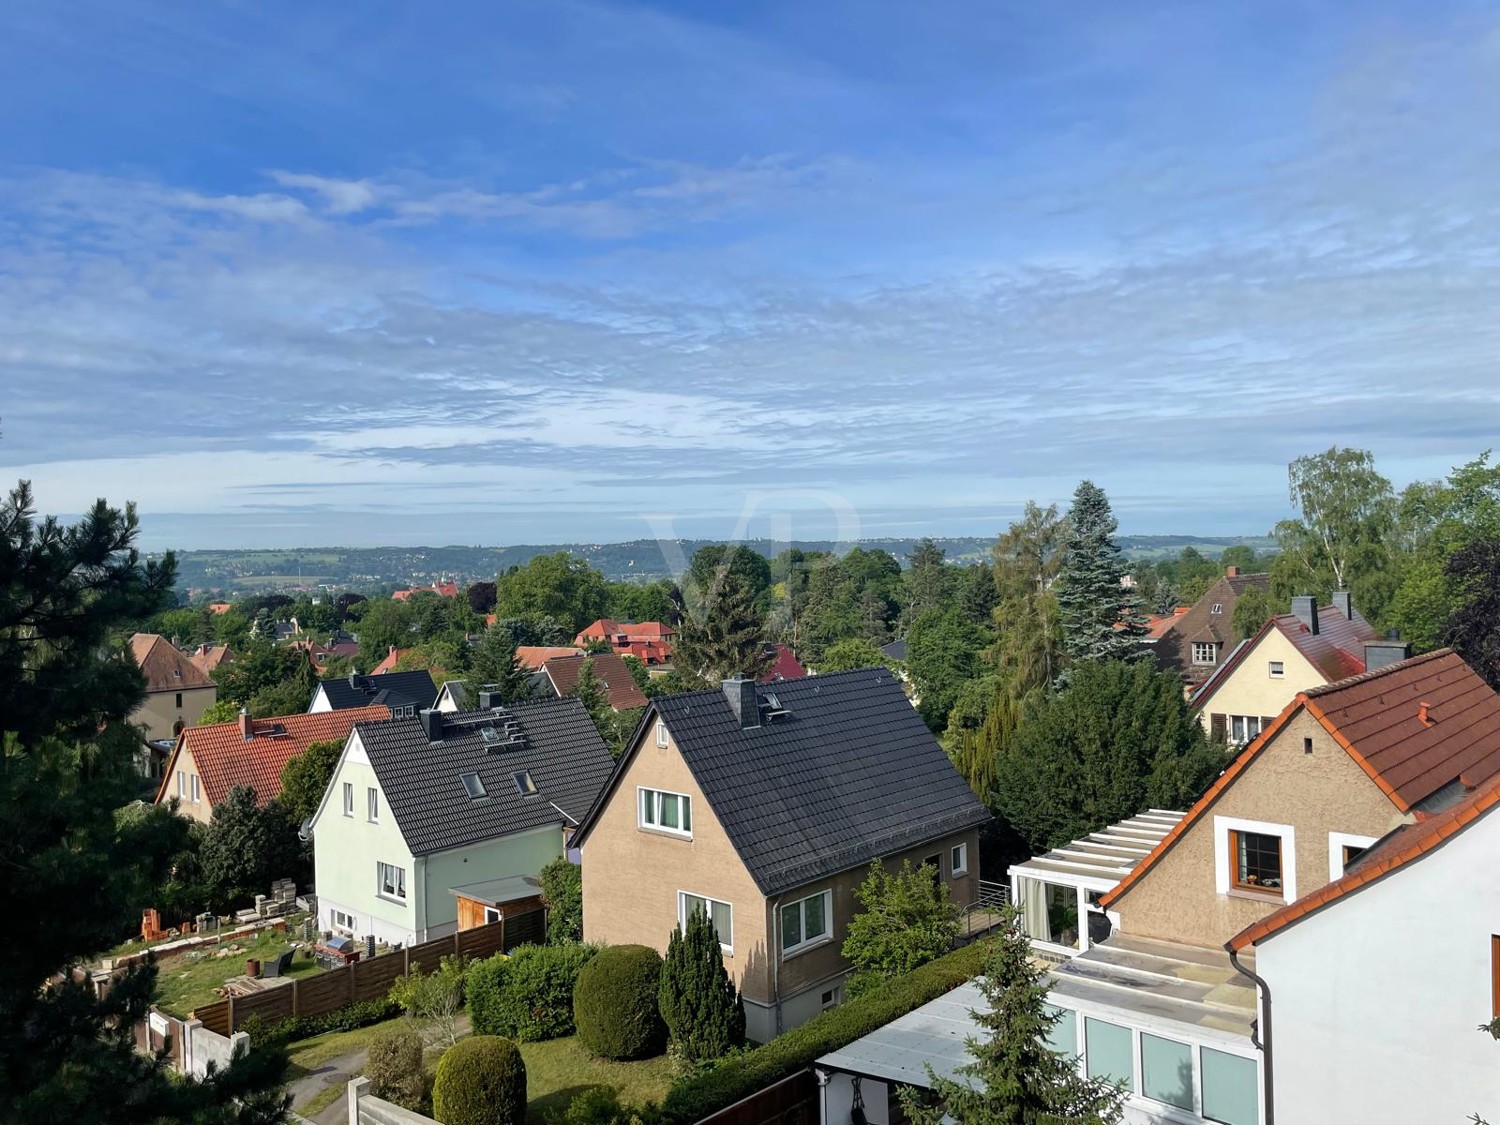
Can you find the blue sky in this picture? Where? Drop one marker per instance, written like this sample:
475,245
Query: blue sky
493,273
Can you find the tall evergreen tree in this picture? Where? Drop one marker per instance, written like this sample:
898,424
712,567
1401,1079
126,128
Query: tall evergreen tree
724,637
494,665
698,1001
1101,619
1016,1078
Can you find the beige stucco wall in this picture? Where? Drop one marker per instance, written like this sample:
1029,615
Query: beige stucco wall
1250,689
1316,794
179,784
160,711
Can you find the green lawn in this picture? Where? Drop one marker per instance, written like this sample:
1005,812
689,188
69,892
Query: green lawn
558,1070
308,1055
184,982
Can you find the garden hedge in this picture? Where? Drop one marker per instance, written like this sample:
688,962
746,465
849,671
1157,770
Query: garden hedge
615,1003
480,1081
742,1075
528,995
361,1013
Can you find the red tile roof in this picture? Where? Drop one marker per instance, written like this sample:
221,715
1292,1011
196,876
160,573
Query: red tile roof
389,663
1404,846
209,657
607,629
226,758
1375,718
619,685
220,607
165,668
786,666
601,630
534,656
1159,623
1336,650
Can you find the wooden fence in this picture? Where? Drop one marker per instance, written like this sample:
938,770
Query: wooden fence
792,1101
364,980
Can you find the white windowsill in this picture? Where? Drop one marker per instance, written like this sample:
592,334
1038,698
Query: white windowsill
670,833
390,898
806,947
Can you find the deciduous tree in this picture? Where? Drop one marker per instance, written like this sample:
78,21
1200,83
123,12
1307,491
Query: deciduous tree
305,777
907,920
1474,628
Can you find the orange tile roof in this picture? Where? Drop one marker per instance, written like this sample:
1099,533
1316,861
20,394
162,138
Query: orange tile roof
226,758
619,685
209,657
600,630
220,607
389,663
165,668
1398,849
1375,718
534,656
1159,623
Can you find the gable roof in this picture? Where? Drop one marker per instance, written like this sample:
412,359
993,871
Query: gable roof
849,773
226,758
534,656
1396,850
1175,633
388,662
391,689
784,666
165,668
609,669
1375,717
1336,650
599,630
422,782
207,657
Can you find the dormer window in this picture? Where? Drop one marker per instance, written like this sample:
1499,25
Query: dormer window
1205,652
1217,607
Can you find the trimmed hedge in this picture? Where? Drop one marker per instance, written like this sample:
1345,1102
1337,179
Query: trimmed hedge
742,1075
360,1014
480,1081
528,995
615,1003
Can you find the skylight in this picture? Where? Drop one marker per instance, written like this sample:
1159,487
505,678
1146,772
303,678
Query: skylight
524,785
473,786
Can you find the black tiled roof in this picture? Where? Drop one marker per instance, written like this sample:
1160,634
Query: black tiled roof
849,774
393,689
423,782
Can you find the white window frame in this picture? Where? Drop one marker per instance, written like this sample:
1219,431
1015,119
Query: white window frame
491,915
197,788
1217,607
653,823
682,916
807,943
661,734
1337,842
958,859
341,920
1199,647
1245,721
181,784
399,895
1224,858
349,798
372,804
1276,669
834,995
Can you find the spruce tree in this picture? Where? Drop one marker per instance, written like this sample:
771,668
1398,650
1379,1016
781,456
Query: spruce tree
725,637
494,666
1017,1078
698,1001
1101,619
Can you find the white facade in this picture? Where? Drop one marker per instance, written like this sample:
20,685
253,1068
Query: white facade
1376,999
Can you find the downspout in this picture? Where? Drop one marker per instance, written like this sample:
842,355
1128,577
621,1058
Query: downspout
1260,1033
775,944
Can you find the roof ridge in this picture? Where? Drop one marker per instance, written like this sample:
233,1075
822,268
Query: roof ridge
1365,677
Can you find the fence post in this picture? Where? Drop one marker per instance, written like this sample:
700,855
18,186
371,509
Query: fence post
406,958
232,1027
294,999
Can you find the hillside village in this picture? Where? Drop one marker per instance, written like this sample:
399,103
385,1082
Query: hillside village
777,834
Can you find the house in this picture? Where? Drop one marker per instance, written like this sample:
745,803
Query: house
177,690
648,641
217,608
452,697
424,811
534,656
443,588
209,656
784,665
317,654
403,693
343,644
764,806
1388,971
619,685
208,761
1195,641
1309,647
894,650
1162,1005
389,661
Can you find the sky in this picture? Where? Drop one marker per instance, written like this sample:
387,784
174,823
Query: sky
358,274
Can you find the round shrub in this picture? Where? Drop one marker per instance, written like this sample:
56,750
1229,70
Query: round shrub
480,1081
528,995
394,1067
615,1003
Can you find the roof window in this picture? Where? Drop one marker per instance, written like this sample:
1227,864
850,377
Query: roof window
473,786
524,785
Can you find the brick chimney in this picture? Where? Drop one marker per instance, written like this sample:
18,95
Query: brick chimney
1344,604
1231,572
1305,610
247,725
743,701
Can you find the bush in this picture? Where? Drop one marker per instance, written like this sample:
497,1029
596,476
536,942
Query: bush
347,1018
480,1081
601,1105
562,891
615,1003
742,1075
394,1067
698,1001
435,996
527,996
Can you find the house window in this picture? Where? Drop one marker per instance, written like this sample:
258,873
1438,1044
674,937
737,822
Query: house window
524,785
661,733
1109,1052
806,921
1255,863
372,805
342,921
666,812
1230,1088
1243,728
1276,669
1205,652
1062,1036
721,914
179,699
830,998
491,915
1217,607
194,782
936,863
391,881
958,859
1167,1071
181,784
348,798
1344,849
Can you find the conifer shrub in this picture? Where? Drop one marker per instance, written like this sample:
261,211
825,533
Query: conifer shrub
615,1003
698,1001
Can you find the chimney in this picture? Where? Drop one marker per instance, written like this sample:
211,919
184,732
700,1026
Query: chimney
432,723
247,727
1344,604
1305,610
743,701
489,699
1422,716
1231,572
1383,653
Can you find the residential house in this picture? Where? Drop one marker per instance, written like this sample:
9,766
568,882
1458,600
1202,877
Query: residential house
402,693
1388,971
765,806
317,653
208,761
177,690
389,661
1195,641
1161,1005
619,685
443,588
208,657
452,697
217,608
343,644
648,641
422,811
784,665
534,656
1309,647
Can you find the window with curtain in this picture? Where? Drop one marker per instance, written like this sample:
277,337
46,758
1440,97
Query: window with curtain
666,812
721,914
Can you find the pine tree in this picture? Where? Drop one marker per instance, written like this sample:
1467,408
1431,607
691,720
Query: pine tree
1101,619
698,1001
725,637
494,666
1017,1078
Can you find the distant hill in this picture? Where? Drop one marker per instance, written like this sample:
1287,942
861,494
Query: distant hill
378,569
